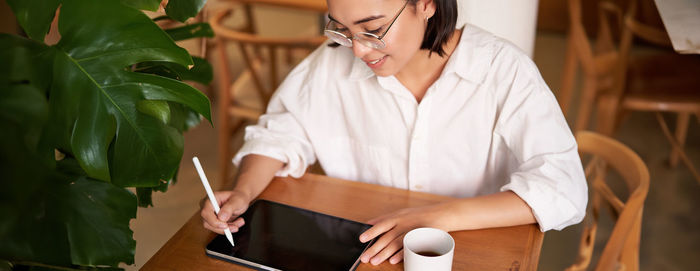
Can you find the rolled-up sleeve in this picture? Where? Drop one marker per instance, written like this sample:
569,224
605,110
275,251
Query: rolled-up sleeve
278,133
549,176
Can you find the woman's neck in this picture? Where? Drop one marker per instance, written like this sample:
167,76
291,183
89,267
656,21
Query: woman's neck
425,68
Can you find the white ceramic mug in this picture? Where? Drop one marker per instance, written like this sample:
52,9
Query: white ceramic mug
428,249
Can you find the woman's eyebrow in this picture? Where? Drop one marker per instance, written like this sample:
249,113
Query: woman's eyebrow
364,20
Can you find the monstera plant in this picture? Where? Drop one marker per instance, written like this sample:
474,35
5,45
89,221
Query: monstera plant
90,126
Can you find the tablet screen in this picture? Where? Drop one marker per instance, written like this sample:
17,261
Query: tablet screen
278,236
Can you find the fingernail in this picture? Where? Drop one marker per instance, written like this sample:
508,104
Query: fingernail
375,261
223,225
364,259
393,261
224,216
362,238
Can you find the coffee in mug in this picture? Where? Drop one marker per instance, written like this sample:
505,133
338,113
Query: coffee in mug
428,249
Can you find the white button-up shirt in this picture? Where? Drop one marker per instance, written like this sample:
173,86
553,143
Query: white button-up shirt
488,124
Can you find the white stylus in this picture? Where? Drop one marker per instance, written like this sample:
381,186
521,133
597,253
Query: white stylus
210,194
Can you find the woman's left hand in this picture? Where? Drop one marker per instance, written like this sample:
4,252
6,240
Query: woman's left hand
393,227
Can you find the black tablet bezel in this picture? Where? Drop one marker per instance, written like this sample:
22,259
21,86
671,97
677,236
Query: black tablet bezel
263,266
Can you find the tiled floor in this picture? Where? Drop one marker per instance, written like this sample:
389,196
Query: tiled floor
671,229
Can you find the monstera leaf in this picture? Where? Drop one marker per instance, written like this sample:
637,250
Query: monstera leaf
182,10
102,110
92,60
34,16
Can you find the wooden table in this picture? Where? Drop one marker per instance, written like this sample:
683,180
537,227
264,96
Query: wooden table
682,21
511,248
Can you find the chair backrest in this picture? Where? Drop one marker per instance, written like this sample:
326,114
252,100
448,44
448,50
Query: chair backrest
600,61
621,250
604,63
263,70
260,53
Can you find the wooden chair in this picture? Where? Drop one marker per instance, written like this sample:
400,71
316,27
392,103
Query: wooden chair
621,251
598,61
267,60
621,80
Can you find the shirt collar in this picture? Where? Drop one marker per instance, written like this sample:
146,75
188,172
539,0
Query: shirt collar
470,60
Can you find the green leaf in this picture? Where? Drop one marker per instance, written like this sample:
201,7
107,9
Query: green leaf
49,216
93,103
182,10
97,215
117,128
23,88
144,194
192,119
183,118
151,5
64,222
190,31
157,109
201,72
5,265
34,16
24,227
27,108
24,62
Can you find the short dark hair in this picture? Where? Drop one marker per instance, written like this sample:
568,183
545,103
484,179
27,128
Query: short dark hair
440,26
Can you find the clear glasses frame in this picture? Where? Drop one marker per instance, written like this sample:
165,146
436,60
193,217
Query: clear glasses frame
367,39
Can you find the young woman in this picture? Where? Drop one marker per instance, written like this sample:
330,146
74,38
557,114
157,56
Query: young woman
409,101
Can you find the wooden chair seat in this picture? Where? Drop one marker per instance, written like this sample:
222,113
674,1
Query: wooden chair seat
665,102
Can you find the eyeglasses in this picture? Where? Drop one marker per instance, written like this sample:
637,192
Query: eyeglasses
367,39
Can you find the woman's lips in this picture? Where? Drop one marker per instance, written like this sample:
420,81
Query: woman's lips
376,63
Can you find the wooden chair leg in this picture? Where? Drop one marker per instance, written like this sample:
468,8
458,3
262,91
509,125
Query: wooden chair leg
588,94
224,157
676,146
630,255
606,115
568,76
681,131
224,83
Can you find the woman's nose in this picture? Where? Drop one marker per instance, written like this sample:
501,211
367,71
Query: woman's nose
359,49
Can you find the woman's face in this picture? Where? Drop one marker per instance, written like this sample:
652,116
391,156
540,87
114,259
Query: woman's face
374,16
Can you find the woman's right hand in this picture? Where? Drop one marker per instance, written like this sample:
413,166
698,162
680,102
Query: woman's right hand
233,204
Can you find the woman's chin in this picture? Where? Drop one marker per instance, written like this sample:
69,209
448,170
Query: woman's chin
383,72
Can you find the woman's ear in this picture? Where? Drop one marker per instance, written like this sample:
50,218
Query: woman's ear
425,8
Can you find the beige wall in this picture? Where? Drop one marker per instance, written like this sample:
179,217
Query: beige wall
512,20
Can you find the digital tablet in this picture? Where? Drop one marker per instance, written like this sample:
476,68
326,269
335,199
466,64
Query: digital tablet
281,237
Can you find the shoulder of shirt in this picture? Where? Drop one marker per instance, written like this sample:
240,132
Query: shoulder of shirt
318,69
476,54
487,56
505,52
